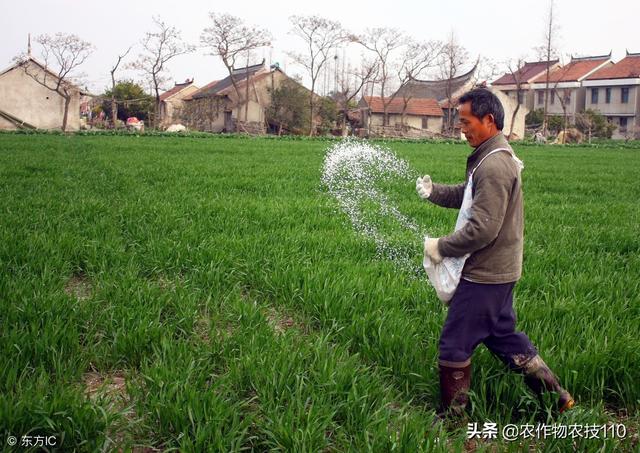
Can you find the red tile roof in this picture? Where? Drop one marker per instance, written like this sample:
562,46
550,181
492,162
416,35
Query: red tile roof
176,89
573,71
628,67
525,73
416,106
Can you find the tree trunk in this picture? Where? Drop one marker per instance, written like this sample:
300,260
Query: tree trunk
402,115
114,105
246,98
513,118
114,112
67,101
156,119
546,93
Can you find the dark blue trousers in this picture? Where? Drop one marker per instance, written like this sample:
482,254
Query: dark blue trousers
483,313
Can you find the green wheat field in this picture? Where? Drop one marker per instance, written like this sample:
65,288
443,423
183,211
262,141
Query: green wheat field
206,294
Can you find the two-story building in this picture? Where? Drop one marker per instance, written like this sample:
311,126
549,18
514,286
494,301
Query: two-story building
565,85
517,84
614,92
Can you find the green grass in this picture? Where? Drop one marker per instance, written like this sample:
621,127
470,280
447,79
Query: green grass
217,277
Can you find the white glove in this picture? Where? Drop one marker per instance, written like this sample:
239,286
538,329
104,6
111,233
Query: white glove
431,250
424,186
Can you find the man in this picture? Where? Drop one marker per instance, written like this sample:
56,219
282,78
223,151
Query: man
481,309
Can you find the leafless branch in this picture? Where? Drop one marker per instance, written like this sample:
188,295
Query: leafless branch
158,48
62,54
229,38
452,58
320,36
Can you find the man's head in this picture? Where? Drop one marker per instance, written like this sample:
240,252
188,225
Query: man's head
480,114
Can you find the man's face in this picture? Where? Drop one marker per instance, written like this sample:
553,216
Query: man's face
475,130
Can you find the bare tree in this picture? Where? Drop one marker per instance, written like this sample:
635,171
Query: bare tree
586,121
564,96
114,104
516,71
351,84
320,36
452,58
62,54
229,38
385,43
486,70
159,47
548,51
416,58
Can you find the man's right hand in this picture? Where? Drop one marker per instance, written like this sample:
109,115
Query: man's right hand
424,186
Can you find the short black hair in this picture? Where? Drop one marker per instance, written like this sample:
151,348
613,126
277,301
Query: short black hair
484,102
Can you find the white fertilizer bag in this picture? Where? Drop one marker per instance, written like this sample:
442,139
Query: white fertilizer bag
445,275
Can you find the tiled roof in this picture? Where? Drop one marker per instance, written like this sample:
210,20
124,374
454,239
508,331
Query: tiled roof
573,71
628,67
435,89
525,73
176,89
204,89
416,106
217,88
242,84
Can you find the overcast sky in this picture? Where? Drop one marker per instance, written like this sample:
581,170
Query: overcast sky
498,30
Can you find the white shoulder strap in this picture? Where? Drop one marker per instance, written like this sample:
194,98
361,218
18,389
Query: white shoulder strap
518,161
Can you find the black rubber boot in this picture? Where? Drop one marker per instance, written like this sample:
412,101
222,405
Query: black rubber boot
454,390
540,379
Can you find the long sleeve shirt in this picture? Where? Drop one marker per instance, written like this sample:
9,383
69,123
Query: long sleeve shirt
494,235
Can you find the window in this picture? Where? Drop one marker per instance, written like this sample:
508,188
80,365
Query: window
624,95
520,97
425,122
607,95
540,97
553,97
594,95
623,124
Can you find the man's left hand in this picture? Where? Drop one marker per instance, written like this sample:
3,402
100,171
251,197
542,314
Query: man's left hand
431,250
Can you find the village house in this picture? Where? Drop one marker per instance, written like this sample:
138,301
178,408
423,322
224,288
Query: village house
446,92
517,84
26,103
216,107
613,91
419,117
566,90
172,102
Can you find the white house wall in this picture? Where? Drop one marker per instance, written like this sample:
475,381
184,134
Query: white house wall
24,98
